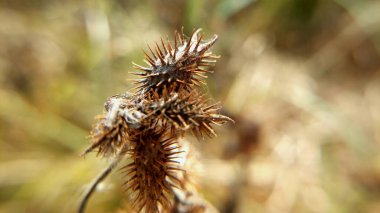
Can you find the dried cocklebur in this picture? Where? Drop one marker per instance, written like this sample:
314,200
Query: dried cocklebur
110,132
188,112
152,172
182,65
147,123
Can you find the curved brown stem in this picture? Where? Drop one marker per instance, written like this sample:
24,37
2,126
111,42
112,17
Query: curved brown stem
90,190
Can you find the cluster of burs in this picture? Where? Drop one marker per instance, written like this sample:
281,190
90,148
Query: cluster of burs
148,124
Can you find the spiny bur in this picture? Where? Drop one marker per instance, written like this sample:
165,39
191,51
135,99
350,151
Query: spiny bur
149,121
179,66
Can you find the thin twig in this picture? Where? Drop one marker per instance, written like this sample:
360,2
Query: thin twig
100,178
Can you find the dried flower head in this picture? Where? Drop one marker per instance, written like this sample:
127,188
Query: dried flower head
147,124
152,173
179,66
188,112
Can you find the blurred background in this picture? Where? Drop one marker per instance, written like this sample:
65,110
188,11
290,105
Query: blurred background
300,78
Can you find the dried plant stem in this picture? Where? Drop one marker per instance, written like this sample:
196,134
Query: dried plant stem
103,175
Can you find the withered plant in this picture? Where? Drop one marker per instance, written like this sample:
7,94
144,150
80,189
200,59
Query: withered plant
147,125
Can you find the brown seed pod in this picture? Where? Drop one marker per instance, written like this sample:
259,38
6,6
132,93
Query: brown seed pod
147,124
152,173
110,132
107,138
180,66
188,112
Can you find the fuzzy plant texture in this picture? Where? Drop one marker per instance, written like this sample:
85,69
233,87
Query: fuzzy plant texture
147,125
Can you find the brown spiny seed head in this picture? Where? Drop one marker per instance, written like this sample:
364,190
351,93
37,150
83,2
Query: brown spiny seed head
152,173
185,63
147,124
107,136
189,111
110,131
